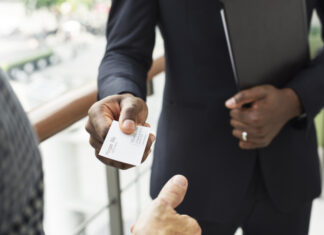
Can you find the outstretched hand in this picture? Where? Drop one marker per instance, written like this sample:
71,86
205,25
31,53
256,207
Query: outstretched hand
129,110
161,218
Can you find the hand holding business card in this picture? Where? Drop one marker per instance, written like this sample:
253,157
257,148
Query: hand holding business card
125,148
131,113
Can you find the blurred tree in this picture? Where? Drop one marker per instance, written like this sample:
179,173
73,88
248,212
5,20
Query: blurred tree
43,3
51,3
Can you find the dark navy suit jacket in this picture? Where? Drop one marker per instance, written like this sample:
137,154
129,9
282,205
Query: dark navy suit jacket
194,135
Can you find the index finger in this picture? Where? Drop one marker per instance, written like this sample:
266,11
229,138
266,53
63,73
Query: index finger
246,97
100,122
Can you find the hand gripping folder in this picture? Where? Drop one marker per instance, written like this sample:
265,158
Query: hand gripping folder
267,40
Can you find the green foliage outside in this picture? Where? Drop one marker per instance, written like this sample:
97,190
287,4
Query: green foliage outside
315,44
52,3
319,120
314,40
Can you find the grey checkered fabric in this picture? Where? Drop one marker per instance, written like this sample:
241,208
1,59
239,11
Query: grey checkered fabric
21,176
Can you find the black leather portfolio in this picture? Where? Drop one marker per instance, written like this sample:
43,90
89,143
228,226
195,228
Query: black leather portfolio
267,40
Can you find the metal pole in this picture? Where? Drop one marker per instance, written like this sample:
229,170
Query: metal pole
150,88
138,191
115,210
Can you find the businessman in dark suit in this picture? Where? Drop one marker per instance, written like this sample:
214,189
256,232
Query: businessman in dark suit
261,162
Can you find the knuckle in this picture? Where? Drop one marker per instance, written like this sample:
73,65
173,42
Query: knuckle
131,109
142,104
96,145
93,109
192,223
234,113
159,203
236,134
256,119
113,98
101,105
159,211
267,87
133,105
91,141
241,96
90,111
160,207
138,101
233,123
88,127
187,218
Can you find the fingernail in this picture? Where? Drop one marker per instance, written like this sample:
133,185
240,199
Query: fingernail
180,180
153,138
230,102
129,124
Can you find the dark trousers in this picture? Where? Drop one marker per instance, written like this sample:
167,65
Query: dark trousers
258,216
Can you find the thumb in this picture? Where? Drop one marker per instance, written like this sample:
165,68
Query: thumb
174,191
245,97
133,111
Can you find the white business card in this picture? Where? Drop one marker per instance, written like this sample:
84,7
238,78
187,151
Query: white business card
125,148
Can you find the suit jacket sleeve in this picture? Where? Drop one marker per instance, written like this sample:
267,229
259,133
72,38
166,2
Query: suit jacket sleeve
130,42
309,83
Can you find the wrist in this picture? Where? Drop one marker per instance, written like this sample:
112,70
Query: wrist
294,106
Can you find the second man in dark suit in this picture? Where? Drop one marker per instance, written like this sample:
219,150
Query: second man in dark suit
261,162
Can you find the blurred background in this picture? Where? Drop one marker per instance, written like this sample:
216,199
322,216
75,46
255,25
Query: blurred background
49,47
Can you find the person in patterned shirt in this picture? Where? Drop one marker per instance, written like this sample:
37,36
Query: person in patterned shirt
21,175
